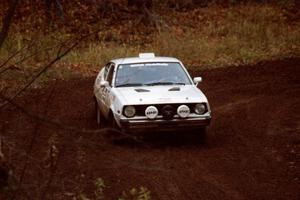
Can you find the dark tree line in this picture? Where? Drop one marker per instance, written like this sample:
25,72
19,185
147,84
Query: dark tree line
7,20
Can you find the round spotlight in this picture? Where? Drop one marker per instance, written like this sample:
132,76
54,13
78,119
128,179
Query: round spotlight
151,112
183,111
200,108
129,111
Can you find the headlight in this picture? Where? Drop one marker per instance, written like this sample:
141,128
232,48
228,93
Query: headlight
200,108
129,111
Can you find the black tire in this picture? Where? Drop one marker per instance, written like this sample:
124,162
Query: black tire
200,134
112,126
95,106
112,122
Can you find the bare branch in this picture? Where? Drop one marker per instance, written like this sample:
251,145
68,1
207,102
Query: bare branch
32,142
52,172
58,125
58,57
1,153
62,44
14,54
53,123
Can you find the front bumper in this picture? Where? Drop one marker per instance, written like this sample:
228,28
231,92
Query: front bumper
164,125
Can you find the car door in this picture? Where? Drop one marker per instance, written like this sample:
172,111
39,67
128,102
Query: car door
98,90
107,90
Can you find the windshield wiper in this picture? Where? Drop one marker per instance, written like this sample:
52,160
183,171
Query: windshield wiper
179,83
164,83
130,85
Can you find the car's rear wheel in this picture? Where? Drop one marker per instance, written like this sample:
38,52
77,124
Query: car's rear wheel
99,116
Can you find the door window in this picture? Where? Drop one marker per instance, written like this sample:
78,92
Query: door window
110,74
106,68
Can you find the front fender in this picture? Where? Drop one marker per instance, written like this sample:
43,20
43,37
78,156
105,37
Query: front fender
116,108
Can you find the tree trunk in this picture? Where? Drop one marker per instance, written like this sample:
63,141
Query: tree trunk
7,20
49,4
144,8
3,168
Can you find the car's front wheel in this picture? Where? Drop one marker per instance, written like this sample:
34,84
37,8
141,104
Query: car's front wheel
112,122
200,133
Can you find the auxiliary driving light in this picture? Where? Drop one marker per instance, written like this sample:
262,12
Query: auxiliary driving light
151,112
183,111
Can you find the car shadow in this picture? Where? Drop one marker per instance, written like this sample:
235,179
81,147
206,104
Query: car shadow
159,140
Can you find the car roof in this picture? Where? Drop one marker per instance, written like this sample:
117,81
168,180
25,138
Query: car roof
131,60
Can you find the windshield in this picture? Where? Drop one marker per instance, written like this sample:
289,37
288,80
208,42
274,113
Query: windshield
141,74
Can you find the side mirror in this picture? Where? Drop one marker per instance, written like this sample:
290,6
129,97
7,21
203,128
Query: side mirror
104,83
197,80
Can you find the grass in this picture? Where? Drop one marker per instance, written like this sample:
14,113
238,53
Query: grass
202,38
244,35
257,34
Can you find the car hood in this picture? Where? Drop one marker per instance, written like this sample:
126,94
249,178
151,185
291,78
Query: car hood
160,95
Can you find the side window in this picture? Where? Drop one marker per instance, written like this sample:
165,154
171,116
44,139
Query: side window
105,72
100,75
110,74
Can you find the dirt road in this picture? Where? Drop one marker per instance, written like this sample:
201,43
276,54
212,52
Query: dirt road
252,150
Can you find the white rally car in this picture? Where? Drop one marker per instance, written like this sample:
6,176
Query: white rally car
149,93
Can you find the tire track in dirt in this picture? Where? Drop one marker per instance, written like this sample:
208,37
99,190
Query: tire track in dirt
252,151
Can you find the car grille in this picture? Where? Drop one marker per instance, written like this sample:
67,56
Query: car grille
168,111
